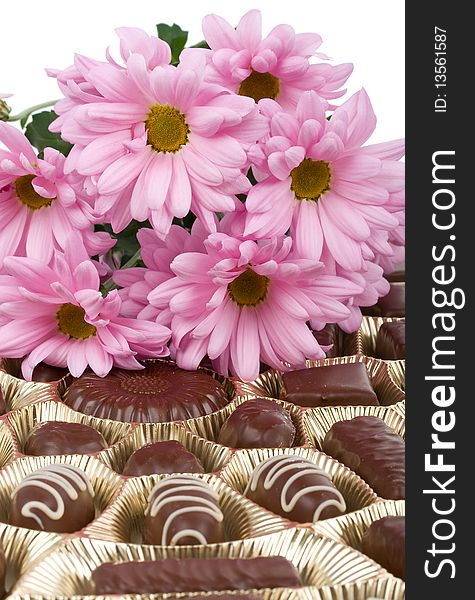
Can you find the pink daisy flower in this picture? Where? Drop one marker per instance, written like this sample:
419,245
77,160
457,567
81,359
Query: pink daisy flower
241,302
275,67
162,142
39,204
157,255
319,181
58,315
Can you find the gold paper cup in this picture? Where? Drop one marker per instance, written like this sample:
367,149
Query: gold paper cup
212,456
105,482
355,491
19,393
387,588
349,529
24,547
318,421
8,446
270,383
319,561
363,340
397,372
24,420
123,521
209,426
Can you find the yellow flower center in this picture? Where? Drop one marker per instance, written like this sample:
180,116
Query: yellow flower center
249,288
260,85
167,130
310,179
27,195
71,322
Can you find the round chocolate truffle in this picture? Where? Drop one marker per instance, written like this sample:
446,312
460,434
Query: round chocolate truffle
183,510
56,498
45,373
258,423
161,392
295,488
162,457
58,437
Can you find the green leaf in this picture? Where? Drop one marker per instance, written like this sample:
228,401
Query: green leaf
39,135
174,36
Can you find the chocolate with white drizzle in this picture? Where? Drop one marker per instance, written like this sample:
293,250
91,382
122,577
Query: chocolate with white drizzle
295,488
57,498
183,510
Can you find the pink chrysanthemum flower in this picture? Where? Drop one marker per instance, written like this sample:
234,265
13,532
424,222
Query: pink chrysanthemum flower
39,204
162,141
275,67
319,181
157,255
242,301
58,315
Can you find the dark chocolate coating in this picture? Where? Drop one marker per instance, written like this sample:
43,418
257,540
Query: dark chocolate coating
161,392
399,275
162,457
3,569
385,542
372,450
56,498
58,437
334,385
327,336
391,305
391,341
268,487
195,575
3,404
183,510
258,423
45,373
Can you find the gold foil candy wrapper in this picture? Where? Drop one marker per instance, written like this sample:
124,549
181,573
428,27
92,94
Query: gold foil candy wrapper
388,588
319,561
209,426
105,482
349,529
19,393
123,521
271,383
397,372
356,492
8,445
24,420
212,456
363,340
23,548
318,421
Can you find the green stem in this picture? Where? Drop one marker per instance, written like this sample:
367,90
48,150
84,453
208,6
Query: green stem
28,111
109,284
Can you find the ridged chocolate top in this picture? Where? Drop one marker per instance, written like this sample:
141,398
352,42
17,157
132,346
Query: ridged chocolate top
161,392
373,450
195,575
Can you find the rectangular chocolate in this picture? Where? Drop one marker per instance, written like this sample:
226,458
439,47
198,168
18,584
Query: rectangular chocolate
195,575
391,341
391,305
329,336
385,541
372,450
334,385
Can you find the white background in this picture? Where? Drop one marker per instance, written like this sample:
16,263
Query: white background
368,33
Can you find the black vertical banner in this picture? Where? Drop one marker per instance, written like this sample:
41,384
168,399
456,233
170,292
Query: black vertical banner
440,456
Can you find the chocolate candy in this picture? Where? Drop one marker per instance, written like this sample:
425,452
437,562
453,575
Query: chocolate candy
385,542
399,275
372,450
295,488
391,305
195,575
46,373
57,498
334,385
161,392
162,457
391,341
3,404
258,423
329,336
183,510
57,437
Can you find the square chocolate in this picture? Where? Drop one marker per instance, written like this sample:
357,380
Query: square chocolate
391,305
334,385
391,341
